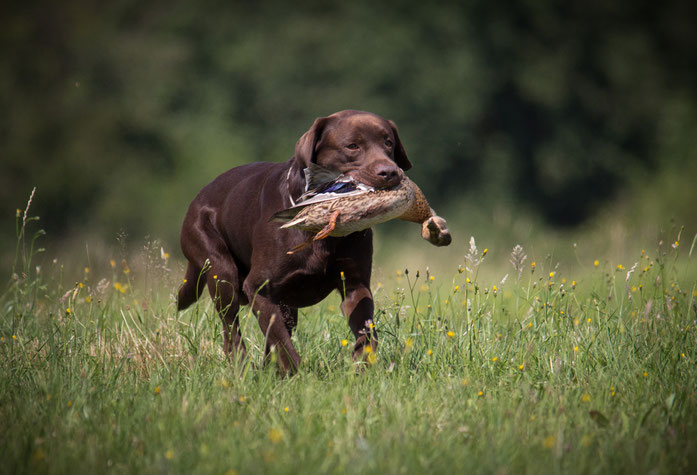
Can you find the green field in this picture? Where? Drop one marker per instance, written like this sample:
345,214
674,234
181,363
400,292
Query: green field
544,372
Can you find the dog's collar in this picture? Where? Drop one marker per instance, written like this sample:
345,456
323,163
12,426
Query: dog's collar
290,197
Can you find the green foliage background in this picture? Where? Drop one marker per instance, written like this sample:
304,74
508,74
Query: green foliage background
119,112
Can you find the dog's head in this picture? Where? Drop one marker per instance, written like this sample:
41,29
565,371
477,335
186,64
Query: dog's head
355,143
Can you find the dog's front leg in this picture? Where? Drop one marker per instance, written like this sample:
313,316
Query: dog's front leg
277,323
357,306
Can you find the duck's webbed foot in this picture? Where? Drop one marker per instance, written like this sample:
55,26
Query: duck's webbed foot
327,230
302,245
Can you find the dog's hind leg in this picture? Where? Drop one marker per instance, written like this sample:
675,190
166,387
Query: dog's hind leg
208,254
191,289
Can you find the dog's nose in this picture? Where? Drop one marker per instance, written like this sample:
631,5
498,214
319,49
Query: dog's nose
389,174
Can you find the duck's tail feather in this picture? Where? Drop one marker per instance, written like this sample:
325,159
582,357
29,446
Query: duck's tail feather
286,215
294,222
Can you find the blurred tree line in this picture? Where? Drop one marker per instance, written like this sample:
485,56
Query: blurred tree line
120,111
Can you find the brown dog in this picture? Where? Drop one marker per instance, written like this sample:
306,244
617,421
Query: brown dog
228,225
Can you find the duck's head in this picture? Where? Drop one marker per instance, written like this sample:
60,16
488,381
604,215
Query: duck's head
359,144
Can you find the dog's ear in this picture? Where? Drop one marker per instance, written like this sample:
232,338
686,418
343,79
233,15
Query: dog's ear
305,147
400,155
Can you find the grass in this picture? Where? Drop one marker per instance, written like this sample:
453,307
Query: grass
543,373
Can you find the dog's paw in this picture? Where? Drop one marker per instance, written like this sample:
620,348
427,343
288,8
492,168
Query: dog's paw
435,230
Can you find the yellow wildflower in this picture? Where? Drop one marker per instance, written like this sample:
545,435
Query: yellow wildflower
275,436
586,397
429,352
372,358
169,454
451,334
596,263
550,441
344,342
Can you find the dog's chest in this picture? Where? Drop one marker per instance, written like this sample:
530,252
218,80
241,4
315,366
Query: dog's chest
305,279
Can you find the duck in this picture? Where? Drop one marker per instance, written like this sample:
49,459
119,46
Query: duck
337,205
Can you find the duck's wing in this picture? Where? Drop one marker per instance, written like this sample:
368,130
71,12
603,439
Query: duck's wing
339,190
332,195
316,176
322,184
341,185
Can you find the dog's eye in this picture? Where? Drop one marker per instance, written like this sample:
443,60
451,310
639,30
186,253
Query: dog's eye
388,143
352,146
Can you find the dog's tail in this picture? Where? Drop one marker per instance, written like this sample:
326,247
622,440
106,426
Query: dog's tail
192,287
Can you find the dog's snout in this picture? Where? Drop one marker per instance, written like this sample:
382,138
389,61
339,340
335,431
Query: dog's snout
389,173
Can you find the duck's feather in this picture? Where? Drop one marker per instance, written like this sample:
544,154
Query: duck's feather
316,176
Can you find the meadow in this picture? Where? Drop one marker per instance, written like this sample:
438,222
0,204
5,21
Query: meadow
542,371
